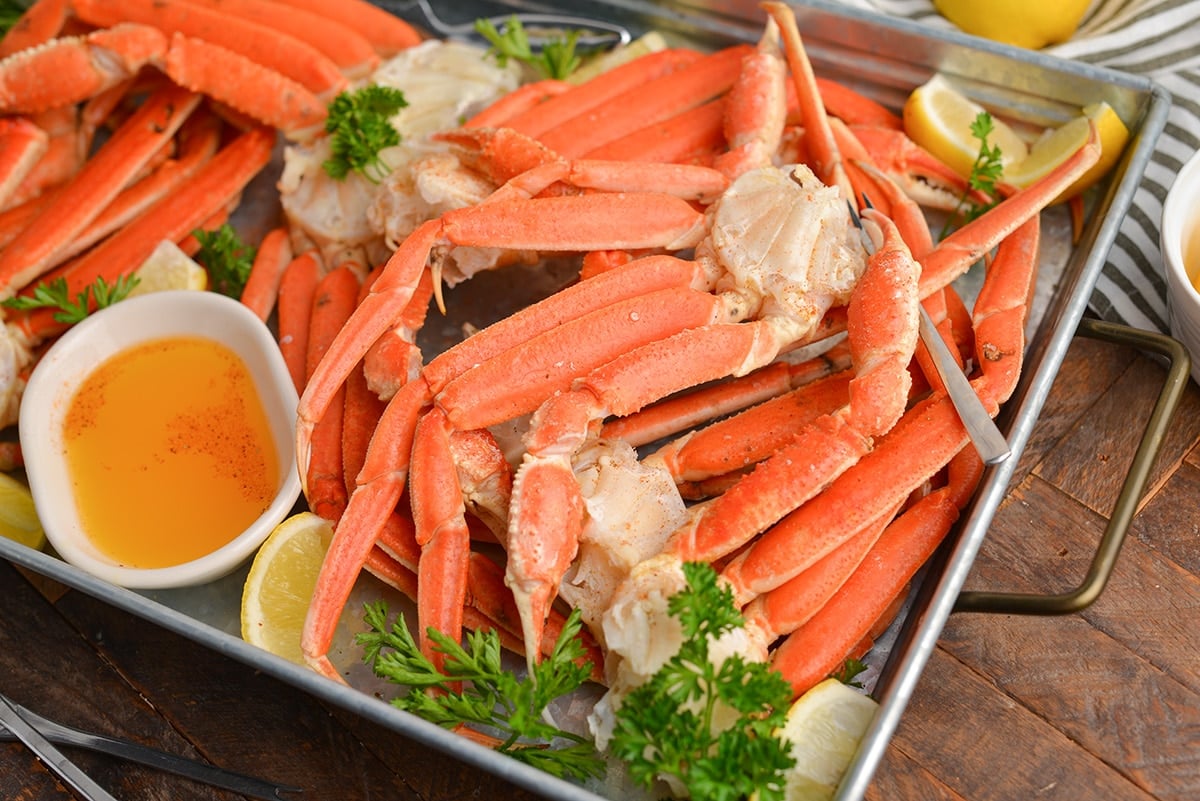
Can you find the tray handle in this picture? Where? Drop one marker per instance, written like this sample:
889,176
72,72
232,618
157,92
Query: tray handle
1109,547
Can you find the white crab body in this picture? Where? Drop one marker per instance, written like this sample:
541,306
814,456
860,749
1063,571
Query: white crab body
782,244
442,82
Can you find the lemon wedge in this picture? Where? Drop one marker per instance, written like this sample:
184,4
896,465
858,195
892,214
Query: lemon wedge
1057,145
642,46
1025,23
824,726
18,517
938,118
168,267
280,584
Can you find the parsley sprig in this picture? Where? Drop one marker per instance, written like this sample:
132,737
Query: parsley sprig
226,257
359,125
492,699
56,295
848,673
556,58
665,726
986,171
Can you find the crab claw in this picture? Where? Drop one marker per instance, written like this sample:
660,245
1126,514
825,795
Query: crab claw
918,172
72,69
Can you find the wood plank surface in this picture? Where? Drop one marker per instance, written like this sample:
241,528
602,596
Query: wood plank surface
1104,704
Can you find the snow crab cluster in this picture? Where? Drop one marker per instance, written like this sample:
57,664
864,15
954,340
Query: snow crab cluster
189,95
715,201
711,211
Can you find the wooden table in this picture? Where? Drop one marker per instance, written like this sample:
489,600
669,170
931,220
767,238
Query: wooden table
1099,705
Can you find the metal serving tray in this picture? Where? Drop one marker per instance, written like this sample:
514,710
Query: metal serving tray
884,59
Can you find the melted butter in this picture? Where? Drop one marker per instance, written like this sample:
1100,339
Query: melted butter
169,452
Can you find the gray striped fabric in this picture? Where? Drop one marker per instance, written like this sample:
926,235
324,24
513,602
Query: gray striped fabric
1159,39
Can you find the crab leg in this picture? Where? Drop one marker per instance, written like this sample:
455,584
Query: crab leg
198,140
21,145
648,103
527,96
14,219
212,187
817,133
333,303
394,359
265,45
72,69
682,412
297,286
792,604
921,175
693,136
379,487
258,91
844,103
387,33
601,91
755,108
344,46
441,532
529,168
101,178
262,287
40,22
66,150
818,647
971,242
451,468
745,439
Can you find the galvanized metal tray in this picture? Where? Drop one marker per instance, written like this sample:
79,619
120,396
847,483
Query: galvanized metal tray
884,59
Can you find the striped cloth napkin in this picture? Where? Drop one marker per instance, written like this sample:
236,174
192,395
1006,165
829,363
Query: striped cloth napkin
1158,39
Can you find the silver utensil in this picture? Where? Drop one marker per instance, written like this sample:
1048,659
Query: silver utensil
60,734
64,768
989,441
540,28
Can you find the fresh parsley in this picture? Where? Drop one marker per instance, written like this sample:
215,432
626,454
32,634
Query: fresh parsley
987,170
360,126
56,295
848,673
665,726
492,699
556,59
226,257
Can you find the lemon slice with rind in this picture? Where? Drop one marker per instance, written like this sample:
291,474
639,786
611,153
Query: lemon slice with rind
1058,144
18,517
824,726
168,267
938,118
280,584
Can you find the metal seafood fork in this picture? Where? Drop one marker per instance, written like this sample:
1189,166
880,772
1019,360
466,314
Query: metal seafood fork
40,734
540,28
987,437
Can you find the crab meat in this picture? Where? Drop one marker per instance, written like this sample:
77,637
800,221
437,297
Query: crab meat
641,635
771,217
631,510
356,218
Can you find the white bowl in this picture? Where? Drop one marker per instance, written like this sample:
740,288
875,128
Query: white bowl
78,352
1181,224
